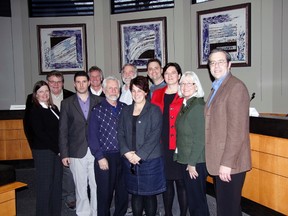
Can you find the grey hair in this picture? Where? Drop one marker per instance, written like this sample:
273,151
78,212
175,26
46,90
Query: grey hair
104,84
129,64
200,92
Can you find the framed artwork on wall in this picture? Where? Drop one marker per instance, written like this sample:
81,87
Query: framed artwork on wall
227,28
62,48
141,40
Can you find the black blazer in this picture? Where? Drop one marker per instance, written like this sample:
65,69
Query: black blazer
101,95
29,105
73,127
44,128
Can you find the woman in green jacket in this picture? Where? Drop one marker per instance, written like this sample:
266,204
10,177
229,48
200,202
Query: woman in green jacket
190,151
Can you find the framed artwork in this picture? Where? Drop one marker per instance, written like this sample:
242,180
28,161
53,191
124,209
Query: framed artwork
62,48
227,28
141,40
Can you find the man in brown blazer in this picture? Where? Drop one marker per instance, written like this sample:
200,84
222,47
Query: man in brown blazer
228,156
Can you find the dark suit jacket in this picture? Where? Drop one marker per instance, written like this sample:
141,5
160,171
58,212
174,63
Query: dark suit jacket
227,128
148,131
101,95
73,127
29,105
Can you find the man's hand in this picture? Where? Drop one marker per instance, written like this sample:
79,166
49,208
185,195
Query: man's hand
66,162
225,173
103,164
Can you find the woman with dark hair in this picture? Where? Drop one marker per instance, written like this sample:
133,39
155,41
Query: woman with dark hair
170,104
139,134
44,117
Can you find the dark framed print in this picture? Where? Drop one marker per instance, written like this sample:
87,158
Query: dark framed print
227,28
141,40
62,48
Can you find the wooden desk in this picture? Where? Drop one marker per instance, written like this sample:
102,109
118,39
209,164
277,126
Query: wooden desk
7,198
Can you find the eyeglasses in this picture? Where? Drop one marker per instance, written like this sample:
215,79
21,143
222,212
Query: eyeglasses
189,85
54,82
220,63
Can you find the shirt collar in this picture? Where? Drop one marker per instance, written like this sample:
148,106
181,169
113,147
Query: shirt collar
217,83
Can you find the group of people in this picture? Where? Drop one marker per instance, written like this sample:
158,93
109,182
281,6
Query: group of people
144,140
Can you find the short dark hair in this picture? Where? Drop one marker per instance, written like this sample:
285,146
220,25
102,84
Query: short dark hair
36,87
81,73
227,55
141,82
173,64
153,60
55,73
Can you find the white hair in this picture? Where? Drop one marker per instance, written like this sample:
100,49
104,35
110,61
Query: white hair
200,92
104,84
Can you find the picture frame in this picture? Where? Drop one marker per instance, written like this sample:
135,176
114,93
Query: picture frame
227,28
62,48
141,40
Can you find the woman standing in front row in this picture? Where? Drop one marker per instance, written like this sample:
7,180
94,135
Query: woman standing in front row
44,118
139,133
190,151
170,103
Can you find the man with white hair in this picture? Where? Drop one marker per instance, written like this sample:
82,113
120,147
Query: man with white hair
104,146
128,72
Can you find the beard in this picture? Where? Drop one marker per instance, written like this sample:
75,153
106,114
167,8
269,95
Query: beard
112,97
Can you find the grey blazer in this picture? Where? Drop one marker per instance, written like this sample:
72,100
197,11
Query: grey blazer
148,131
227,128
73,127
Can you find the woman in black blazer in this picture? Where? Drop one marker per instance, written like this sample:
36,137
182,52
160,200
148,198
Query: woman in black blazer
44,121
139,132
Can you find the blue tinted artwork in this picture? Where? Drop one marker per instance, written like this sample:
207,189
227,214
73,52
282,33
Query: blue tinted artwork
226,29
141,42
62,49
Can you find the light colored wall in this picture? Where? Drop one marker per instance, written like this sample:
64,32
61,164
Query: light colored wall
267,76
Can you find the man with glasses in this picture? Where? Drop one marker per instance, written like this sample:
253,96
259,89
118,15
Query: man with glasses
55,81
228,155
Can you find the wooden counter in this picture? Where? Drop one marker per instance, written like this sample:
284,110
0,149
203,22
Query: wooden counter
7,198
267,182
13,142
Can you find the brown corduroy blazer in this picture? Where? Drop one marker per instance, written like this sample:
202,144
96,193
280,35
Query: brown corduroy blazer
227,128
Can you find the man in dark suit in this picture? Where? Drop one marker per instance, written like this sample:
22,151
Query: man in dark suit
55,81
73,143
96,77
228,156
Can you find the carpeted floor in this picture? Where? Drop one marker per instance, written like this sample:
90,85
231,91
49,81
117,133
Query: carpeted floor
26,198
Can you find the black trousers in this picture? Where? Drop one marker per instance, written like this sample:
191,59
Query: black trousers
196,190
109,181
48,175
228,195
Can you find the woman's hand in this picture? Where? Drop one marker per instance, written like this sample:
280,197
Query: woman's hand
129,155
192,171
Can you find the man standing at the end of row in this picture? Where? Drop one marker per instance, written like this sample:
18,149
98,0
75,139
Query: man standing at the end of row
228,155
